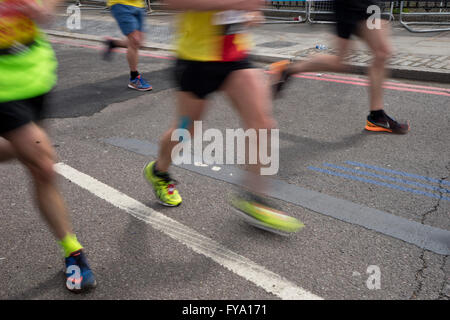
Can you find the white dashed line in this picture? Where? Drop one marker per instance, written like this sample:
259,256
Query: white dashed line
247,269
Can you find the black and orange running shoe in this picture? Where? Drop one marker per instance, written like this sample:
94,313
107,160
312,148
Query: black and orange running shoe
280,74
385,123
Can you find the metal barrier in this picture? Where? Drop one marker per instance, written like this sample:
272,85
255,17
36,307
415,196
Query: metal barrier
92,5
294,11
425,13
320,8
101,5
324,9
439,11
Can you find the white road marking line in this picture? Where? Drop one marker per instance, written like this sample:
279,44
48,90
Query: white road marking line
266,279
199,164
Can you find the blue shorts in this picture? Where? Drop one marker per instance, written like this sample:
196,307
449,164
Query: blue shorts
129,18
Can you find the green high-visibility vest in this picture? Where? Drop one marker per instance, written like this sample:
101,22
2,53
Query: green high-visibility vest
28,72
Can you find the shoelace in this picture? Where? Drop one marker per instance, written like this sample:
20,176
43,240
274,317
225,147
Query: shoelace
142,81
166,178
390,119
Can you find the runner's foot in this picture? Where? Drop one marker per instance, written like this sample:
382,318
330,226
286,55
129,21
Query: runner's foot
262,214
379,121
79,276
280,74
163,186
139,84
108,49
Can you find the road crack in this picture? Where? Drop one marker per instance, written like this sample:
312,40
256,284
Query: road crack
443,295
420,278
441,195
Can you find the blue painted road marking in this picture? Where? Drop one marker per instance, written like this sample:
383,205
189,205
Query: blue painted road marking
379,183
401,173
374,175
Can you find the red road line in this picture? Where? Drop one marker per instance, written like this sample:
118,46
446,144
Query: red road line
328,78
386,83
366,84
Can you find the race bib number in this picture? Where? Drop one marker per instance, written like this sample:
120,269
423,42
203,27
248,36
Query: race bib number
15,28
230,17
232,21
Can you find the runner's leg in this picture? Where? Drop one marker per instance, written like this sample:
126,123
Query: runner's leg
7,151
189,107
133,44
34,150
249,92
378,42
282,71
325,62
131,21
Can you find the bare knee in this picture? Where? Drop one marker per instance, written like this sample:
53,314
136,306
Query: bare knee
134,41
33,148
382,55
41,164
42,169
135,44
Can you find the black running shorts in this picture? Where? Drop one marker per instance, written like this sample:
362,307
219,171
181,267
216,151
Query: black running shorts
204,78
15,114
349,14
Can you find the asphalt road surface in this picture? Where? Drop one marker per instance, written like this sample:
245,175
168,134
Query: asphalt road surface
376,206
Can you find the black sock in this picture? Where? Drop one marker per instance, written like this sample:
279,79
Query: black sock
377,115
157,172
134,74
112,44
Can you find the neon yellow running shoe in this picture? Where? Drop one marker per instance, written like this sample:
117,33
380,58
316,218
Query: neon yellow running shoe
260,214
163,186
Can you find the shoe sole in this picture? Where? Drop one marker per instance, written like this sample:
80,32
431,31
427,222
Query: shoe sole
134,88
86,289
377,129
374,128
278,67
261,225
153,189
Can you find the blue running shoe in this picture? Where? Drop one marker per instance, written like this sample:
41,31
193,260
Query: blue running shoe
78,274
140,84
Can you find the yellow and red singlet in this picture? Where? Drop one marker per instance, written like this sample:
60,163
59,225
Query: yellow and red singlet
133,3
15,27
212,36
